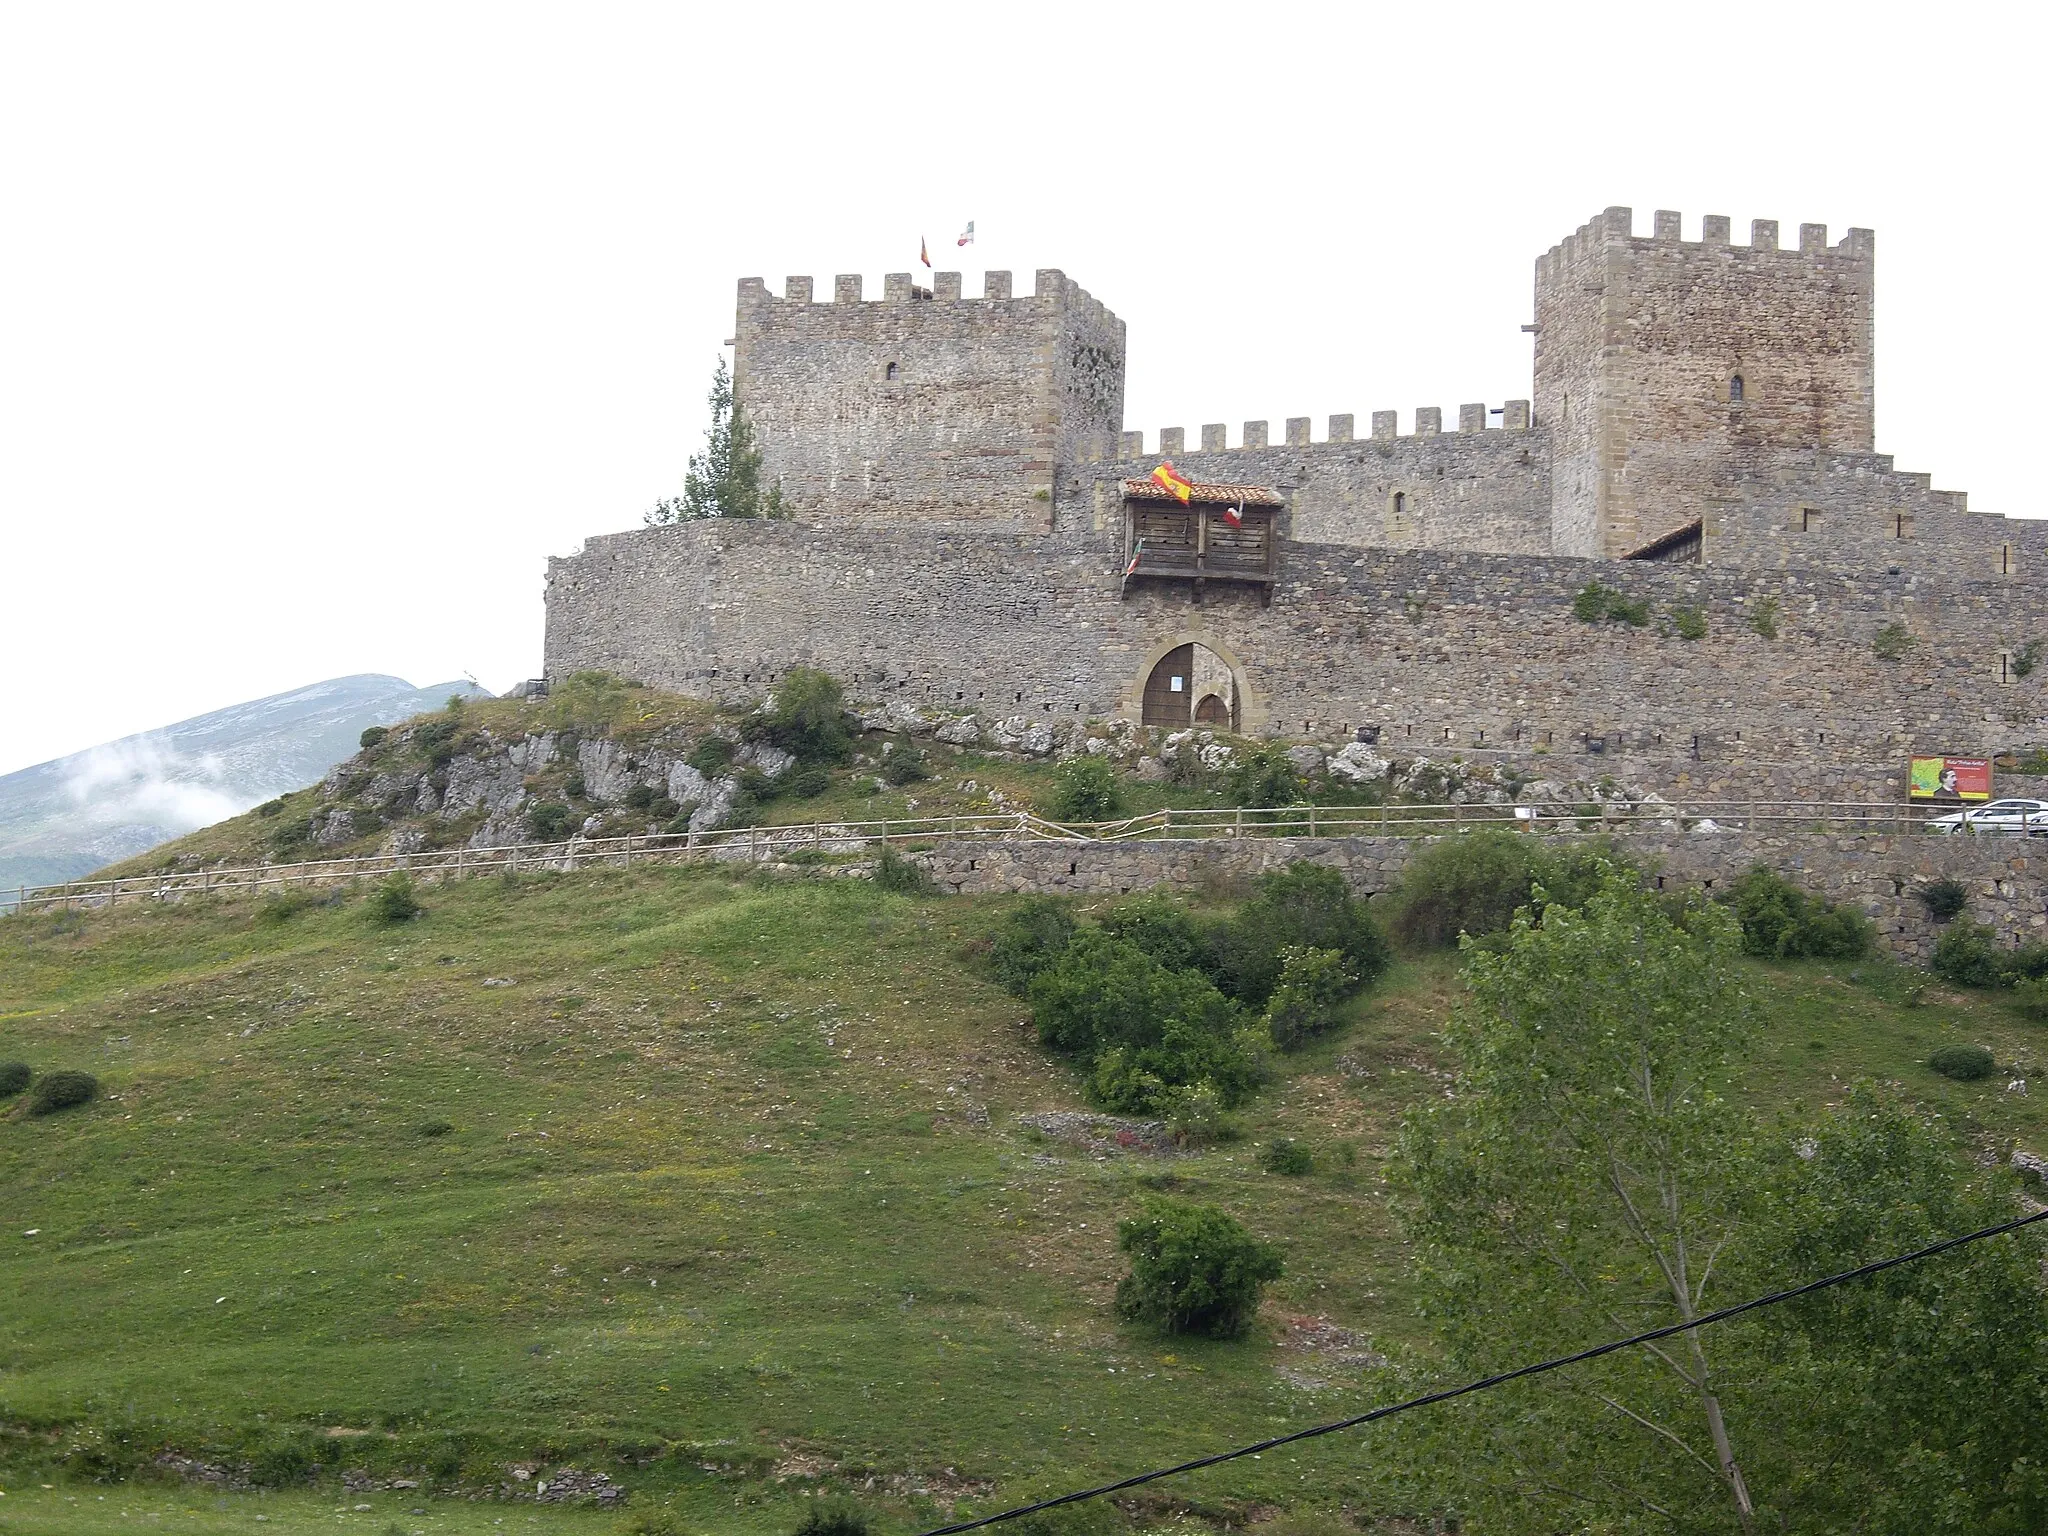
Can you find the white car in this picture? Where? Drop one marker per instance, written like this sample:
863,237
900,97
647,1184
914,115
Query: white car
2013,817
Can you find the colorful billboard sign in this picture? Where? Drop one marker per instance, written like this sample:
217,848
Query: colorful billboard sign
1950,778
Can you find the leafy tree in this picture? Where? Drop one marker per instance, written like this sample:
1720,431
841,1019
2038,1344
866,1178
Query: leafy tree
1193,1270
1313,985
1036,933
725,479
1161,927
1475,882
1576,1186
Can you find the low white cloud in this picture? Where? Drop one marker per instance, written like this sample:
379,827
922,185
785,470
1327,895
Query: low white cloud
148,782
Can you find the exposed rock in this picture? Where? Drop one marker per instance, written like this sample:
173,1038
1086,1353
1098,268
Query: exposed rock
334,827
1307,760
896,715
686,784
716,805
606,774
1358,763
1101,1133
428,799
491,784
407,839
964,732
1151,770
532,753
771,760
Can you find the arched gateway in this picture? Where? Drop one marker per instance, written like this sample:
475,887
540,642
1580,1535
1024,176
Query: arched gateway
1191,685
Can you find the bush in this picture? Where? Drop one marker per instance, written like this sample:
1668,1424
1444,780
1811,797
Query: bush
1161,927
1689,623
1967,954
895,873
575,787
807,783
905,765
1305,905
1763,616
393,901
1139,1028
1260,776
1964,1063
1093,1517
1306,1003
371,736
434,740
14,1076
663,809
1086,789
1193,1270
1288,1156
62,1090
1475,883
1034,935
833,1517
2031,998
550,820
711,756
1598,604
1944,898
640,797
431,1128
807,716
1196,1114
1781,921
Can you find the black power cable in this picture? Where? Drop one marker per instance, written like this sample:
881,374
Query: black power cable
1485,1382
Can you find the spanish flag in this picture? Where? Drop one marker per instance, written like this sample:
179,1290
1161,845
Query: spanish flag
1173,480
1136,555
923,255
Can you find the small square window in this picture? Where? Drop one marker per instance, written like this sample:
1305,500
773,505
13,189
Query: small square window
1177,684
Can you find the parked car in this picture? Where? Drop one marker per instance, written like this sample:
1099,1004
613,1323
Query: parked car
2013,817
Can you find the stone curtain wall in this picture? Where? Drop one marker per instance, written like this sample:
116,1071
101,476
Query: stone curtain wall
2007,877
926,407
1637,341
1475,488
1460,651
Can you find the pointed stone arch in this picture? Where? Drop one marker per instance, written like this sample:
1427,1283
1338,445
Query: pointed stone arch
1245,711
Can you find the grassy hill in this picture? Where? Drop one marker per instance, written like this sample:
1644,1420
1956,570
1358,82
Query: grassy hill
718,1185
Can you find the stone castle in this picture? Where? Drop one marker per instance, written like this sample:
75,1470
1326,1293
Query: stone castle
967,513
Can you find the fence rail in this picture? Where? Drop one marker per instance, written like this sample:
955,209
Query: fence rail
824,840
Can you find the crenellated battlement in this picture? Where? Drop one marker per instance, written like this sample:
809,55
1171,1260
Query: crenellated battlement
1050,285
1618,224
1428,421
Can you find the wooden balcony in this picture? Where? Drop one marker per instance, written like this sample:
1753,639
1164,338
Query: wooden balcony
1221,533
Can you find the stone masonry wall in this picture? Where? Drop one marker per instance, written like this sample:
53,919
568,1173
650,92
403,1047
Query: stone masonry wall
1638,342
1461,650
1475,488
2007,877
924,406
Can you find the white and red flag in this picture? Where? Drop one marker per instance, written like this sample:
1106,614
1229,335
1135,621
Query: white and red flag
966,235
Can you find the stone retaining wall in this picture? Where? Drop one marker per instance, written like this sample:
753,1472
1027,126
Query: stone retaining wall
1878,873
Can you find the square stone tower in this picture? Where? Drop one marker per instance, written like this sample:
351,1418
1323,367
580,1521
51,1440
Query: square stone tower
926,407
1669,371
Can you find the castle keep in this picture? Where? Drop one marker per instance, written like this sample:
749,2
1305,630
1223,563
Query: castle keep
966,503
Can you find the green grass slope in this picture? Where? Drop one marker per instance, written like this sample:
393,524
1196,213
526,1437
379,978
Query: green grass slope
715,1184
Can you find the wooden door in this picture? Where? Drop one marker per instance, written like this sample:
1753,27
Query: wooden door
1169,690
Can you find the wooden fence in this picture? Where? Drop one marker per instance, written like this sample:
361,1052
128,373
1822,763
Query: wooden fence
825,840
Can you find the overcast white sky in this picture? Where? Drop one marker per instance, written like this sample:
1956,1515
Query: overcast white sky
321,328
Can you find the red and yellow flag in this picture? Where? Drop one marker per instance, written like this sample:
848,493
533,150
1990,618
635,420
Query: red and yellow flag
1173,480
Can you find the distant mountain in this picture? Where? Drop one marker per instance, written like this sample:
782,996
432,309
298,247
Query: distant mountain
70,816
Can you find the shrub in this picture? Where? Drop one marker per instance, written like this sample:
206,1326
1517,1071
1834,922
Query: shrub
1964,1063
1783,922
1689,623
434,740
2026,658
905,765
663,809
14,1076
1306,1003
2031,997
549,820
1161,927
1305,905
1944,898
1140,1028
640,797
1260,776
807,716
1472,884
286,905
393,901
62,1090
1086,789
1034,935
1195,1114
1763,616
895,873
833,1517
1967,954
575,786
1094,1517
711,756
270,808
807,783
1596,603
372,735
1288,1156
432,1128
1893,641
1193,1270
